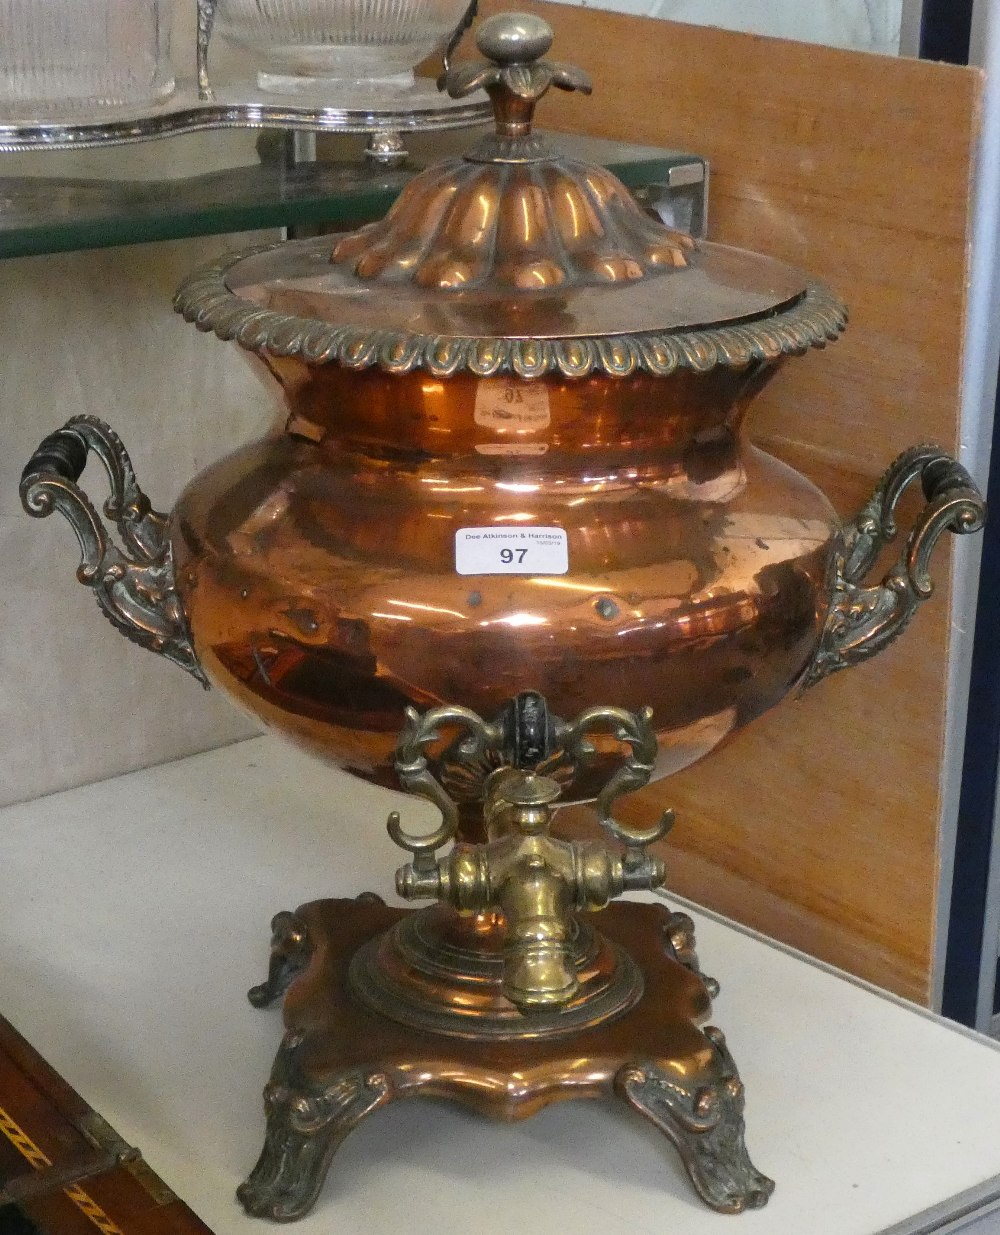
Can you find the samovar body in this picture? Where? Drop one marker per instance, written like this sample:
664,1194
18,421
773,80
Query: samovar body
319,568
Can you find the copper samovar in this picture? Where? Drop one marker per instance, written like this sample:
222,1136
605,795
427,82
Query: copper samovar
507,547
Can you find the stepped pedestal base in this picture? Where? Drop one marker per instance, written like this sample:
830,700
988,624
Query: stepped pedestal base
340,1060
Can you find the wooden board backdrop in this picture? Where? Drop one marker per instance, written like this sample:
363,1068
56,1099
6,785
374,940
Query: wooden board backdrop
820,823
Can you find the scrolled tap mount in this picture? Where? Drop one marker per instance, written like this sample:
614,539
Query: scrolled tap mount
533,880
503,995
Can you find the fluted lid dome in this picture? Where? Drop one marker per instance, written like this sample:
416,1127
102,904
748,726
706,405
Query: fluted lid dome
514,259
503,226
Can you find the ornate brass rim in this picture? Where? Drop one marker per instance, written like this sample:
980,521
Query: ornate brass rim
814,320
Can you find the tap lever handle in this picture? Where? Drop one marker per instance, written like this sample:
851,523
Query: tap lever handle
529,733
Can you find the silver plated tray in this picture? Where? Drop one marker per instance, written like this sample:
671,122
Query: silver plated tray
241,104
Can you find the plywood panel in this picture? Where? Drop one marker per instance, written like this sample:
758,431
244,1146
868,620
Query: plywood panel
821,822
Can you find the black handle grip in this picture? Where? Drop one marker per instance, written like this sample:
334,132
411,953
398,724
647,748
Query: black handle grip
62,454
945,475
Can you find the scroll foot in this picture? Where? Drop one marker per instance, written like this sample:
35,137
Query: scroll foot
703,1116
290,952
678,934
304,1130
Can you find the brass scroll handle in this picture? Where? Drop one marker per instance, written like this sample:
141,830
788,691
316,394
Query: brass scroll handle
134,585
862,620
415,775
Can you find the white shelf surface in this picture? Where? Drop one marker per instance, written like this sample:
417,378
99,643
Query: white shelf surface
134,915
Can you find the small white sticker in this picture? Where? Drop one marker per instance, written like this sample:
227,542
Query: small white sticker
511,551
508,405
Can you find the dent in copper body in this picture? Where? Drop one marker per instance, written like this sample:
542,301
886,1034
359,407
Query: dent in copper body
317,567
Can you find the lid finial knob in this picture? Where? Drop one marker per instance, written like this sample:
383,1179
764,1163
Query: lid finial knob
514,38
516,76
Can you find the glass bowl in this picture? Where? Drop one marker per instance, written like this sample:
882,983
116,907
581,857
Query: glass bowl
303,46
82,56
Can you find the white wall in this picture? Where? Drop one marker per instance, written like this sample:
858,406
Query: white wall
94,333
867,25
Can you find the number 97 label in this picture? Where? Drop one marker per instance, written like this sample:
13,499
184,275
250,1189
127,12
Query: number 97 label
511,551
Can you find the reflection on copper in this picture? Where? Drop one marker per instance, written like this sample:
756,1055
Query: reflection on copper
516,620
409,604
711,556
441,487
567,585
244,539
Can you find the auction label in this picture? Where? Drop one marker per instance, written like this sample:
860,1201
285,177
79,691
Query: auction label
508,405
511,551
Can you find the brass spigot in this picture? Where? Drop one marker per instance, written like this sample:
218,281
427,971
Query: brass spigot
533,879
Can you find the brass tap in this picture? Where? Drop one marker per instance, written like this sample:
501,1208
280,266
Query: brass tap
534,880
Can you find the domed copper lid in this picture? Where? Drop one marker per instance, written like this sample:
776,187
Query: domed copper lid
513,259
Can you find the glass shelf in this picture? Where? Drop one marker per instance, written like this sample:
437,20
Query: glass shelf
53,202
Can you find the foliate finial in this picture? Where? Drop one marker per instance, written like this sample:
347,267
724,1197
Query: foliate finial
516,77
